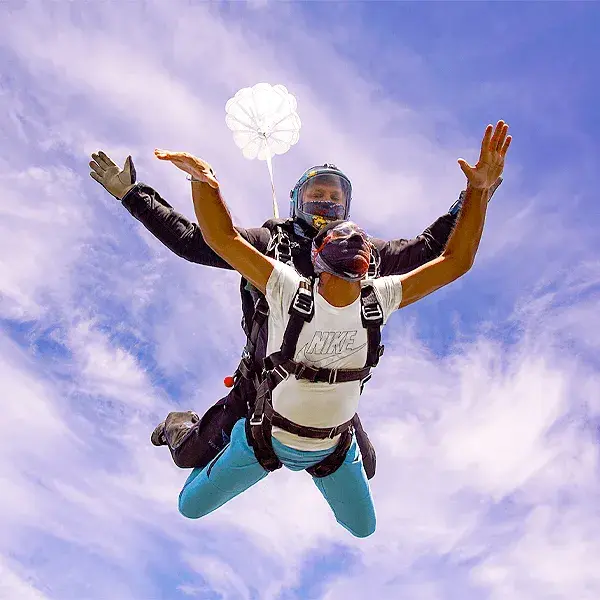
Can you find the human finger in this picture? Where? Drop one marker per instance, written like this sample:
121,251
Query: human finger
106,160
496,136
167,155
501,138
466,168
162,154
485,142
96,167
505,146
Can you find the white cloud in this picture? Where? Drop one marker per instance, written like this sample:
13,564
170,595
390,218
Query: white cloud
12,585
455,437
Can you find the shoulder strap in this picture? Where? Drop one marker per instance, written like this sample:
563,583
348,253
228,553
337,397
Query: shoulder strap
371,315
302,310
280,245
279,248
374,263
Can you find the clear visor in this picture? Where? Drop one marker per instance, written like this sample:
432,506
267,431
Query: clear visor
326,195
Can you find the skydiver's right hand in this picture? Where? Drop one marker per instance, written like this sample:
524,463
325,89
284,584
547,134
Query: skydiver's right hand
114,180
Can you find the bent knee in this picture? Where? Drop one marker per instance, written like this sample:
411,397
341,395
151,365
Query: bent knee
363,532
190,509
187,511
363,529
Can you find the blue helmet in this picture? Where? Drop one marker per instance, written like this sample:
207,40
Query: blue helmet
322,195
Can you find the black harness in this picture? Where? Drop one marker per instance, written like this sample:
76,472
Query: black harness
281,365
280,248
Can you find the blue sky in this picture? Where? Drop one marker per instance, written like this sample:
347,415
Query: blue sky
484,412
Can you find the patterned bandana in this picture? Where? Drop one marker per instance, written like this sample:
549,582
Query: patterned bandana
342,249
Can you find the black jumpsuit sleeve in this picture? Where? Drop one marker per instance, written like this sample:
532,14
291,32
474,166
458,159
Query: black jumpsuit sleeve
176,232
401,256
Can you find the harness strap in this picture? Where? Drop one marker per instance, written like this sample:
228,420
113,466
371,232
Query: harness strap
260,440
264,411
374,262
259,434
280,248
302,310
323,375
334,461
259,437
372,319
316,433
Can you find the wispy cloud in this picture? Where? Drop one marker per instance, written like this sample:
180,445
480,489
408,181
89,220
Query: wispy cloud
487,455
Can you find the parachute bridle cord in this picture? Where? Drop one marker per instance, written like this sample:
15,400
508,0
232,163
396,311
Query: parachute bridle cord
270,167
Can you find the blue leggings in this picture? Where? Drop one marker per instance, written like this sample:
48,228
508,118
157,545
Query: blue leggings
235,469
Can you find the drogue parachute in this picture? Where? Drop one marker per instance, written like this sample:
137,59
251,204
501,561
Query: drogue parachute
264,123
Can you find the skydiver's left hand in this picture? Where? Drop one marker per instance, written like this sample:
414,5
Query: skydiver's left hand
192,165
490,165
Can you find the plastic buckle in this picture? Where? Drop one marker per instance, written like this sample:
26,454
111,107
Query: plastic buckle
303,302
300,368
372,313
333,373
332,433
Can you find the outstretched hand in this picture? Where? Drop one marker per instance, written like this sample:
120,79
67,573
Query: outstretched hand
491,158
107,173
192,165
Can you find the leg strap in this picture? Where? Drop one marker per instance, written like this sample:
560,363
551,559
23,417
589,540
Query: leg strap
334,461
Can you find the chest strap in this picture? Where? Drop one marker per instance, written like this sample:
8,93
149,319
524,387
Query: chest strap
277,369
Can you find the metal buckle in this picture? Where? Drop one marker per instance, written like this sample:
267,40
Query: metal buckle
281,372
364,381
256,422
333,373
299,371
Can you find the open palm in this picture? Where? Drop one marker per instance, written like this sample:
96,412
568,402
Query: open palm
194,166
491,158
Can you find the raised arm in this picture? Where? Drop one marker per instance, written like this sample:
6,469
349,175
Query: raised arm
215,221
459,253
401,256
176,232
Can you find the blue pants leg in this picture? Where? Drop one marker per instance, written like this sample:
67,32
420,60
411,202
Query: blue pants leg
230,473
348,494
235,469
